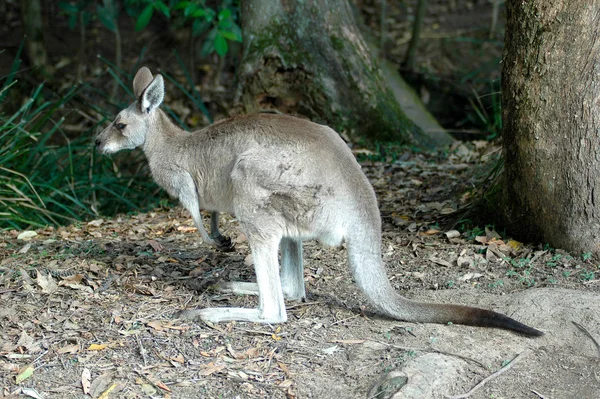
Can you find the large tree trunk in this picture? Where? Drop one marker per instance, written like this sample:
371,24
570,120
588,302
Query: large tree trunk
31,13
551,117
308,58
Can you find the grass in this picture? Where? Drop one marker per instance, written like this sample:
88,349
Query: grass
49,177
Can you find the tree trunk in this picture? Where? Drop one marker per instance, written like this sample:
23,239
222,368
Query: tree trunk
308,58
31,12
551,117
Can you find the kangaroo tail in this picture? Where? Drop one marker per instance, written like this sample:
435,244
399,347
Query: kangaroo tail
364,256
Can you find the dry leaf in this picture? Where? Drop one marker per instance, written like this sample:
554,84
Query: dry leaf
86,377
157,325
452,234
285,384
25,249
27,235
179,359
32,393
96,223
46,283
24,374
210,369
72,349
516,245
156,246
97,347
100,384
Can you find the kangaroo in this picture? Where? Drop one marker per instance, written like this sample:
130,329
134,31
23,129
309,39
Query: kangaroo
286,180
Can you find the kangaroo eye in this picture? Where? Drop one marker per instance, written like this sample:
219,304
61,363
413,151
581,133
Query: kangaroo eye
120,126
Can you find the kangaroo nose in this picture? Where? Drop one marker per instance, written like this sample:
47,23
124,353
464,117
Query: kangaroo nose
98,142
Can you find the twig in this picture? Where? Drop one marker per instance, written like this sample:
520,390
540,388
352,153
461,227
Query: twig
539,394
408,348
142,350
491,377
586,332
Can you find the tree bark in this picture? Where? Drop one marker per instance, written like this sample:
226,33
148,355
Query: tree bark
31,12
551,117
308,58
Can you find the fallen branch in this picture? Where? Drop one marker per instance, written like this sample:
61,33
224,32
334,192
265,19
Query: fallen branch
491,377
539,394
589,334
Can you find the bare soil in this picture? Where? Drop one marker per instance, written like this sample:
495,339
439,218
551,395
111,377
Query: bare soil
103,324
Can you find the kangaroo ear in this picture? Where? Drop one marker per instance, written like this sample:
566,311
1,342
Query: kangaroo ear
153,95
142,79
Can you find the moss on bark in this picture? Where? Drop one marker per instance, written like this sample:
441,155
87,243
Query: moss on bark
303,58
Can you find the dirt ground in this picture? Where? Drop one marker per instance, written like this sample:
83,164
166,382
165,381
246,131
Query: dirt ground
103,324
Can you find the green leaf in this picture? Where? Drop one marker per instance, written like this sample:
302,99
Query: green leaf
144,18
224,14
107,19
181,5
190,9
230,35
72,21
162,7
221,45
198,13
68,7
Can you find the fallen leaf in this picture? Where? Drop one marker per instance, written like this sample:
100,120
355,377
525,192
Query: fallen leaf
440,262
97,347
86,376
46,283
179,359
32,393
156,246
100,384
108,391
157,325
148,389
25,249
331,350
470,276
72,349
284,368
210,369
187,229
96,223
516,245
24,374
452,234
285,384
27,235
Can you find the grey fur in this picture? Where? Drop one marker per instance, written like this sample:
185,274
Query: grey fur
286,180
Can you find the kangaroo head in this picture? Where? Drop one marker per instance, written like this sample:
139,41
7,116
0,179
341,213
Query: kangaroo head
131,126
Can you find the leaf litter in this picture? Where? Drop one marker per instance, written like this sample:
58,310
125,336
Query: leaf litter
103,328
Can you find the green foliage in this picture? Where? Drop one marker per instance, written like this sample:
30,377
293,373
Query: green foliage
488,114
218,24
48,178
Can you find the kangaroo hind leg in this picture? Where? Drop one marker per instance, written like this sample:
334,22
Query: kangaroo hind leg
271,306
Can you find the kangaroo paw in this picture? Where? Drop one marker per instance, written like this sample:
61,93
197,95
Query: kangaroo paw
223,243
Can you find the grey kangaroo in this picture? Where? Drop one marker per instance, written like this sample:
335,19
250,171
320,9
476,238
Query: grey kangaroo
286,180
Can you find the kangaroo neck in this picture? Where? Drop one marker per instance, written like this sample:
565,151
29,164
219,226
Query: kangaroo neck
162,133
